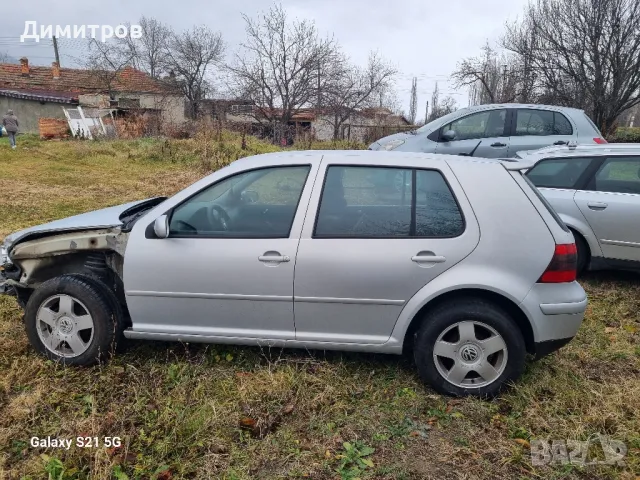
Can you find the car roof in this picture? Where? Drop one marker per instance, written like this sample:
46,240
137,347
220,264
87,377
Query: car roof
534,106
591,150
382,157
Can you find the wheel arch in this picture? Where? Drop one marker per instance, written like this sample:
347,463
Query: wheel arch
510,307
584,230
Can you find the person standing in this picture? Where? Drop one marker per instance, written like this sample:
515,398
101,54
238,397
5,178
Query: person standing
10,122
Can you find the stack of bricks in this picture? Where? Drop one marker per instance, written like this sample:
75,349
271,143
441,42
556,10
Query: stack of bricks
53,128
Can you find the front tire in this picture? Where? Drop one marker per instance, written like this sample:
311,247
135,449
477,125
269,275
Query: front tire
469,347
71,319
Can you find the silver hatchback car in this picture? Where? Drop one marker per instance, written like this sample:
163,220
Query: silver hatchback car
596,192
496,131
462,263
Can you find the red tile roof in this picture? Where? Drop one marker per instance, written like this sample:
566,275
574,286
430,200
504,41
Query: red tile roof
76,80
40,95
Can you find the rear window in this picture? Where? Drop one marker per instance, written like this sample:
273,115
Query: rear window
541,122
558,172
547,205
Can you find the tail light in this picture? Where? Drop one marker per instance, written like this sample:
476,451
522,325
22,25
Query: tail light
599,140
563,265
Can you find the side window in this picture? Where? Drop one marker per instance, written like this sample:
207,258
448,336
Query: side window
558,172
619,175
256,204
371,202
365,202
541,122
479,125
437,212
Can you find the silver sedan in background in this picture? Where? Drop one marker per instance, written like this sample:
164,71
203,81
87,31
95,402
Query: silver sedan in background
596,191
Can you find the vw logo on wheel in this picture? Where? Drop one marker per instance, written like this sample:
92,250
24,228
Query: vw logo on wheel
469,353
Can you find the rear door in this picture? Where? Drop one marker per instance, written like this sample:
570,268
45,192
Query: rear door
537,128
484,131
611,205
367,249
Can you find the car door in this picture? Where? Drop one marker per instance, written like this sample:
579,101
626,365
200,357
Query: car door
611,205
534,128
366,249
226,268
484,133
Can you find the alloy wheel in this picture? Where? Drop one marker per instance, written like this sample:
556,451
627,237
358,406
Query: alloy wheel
65,326
470,354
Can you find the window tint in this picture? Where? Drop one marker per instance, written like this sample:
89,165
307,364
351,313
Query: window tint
437,212
365,202
369,202
558,172
259,203
620,175
479,125
541,122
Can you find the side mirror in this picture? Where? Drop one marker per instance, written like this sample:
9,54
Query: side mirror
161,226
448,135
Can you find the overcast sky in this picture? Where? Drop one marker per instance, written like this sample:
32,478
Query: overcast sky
421,38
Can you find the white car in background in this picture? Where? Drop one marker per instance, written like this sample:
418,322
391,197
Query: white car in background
596,191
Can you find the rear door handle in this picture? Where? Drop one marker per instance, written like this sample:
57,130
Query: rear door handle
597,205
273,258
560,142
498,144
428,257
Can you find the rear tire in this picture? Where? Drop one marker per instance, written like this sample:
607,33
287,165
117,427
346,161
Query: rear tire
469,347
71,319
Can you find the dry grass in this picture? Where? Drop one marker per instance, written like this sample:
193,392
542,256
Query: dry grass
187,411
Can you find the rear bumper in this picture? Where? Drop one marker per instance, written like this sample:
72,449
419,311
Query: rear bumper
545,348
556,311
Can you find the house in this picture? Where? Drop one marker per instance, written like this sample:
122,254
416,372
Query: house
40,92
364,125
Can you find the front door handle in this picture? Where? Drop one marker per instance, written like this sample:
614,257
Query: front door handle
498,144
560,142
427,257
597,205
273,258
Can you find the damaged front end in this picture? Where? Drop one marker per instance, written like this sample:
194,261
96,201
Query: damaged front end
95,252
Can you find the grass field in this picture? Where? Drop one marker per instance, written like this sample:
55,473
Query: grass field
196,411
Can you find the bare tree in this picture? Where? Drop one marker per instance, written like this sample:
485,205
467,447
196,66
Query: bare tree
4,57
491,78
583,53
280,66
149,52
104,63
348,88
440,108
190,56
413,102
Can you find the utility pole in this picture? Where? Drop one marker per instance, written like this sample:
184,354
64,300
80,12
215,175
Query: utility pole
426,113
55,50
318,101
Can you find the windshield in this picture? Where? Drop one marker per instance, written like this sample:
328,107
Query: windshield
441,121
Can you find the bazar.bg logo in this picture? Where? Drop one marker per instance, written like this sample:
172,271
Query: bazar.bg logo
597,450
103,32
